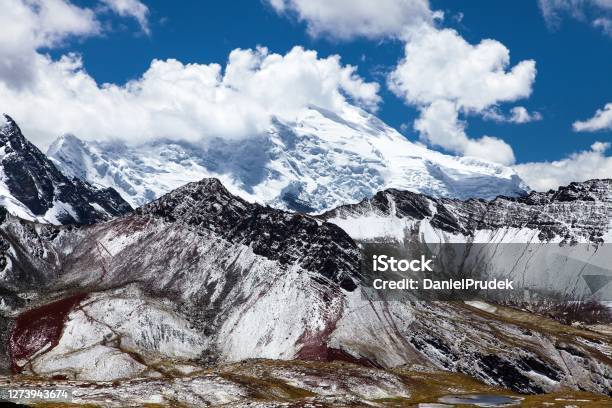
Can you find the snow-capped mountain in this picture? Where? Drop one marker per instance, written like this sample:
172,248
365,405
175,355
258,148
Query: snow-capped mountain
202,277
577,213
32,188
318,162
558,241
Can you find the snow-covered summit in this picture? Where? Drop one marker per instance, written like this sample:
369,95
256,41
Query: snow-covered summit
319,161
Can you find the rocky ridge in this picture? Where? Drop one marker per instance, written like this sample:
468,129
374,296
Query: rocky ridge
579,212
33,188
201,277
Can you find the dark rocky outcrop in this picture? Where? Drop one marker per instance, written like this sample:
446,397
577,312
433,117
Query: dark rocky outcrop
573,211
34,181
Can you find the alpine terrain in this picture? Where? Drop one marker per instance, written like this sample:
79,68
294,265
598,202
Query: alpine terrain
32,188
558,241
320,161
171,304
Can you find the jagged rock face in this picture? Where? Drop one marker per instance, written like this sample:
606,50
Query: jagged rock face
558,244
33,188
519,235
316,163
276,235
200,276
580,212
231,279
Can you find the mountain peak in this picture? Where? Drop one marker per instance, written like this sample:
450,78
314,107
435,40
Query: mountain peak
211,184
201,190
320,161
578,212
205,197
34,189
6,120
10,131
207,207
65,141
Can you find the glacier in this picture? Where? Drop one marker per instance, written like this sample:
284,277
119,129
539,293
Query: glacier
315,163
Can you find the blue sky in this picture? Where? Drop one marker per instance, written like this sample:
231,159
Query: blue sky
574,61
571,48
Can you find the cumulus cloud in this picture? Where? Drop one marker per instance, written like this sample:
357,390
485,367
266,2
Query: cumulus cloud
517,114
37,23
31,25
441,74
182,101
580,166
440,64
602,120
439,124
346,19
171,99
131,8
444,75
596,12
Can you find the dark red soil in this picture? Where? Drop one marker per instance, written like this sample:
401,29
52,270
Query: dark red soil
314,349
334,354
37,327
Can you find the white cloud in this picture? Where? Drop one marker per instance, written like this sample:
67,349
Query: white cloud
171,99
554,10
43,23
440,64
521,115
131,8
581,166
602,120
28,26
597,12
444,75
346,19
518,115
439,125
182,101
605,24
